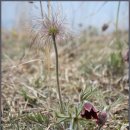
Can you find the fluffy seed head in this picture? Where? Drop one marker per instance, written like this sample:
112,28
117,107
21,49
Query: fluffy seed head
48,27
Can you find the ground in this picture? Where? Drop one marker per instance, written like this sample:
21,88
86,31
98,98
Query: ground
86,72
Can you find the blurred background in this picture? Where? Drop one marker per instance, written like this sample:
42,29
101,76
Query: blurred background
79,14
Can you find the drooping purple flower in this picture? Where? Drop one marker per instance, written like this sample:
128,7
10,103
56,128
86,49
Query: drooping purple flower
89,111
105,27
102,118
126,57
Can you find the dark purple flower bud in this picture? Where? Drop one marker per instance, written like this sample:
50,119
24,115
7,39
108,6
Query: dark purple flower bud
126,57
105,27
89,111
102,118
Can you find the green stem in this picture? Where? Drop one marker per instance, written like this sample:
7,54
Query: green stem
41,8
57,72
117,19
99,128
49,9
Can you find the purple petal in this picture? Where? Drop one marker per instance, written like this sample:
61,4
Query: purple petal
94,114
88,106
88,115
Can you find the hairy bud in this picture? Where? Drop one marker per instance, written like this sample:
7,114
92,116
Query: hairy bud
102,118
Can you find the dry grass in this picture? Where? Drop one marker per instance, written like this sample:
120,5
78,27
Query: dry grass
26,88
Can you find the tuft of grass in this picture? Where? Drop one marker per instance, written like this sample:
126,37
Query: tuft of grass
116,64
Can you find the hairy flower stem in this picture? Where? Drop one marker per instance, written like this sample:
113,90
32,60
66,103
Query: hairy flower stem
57,72
117,20
41,9
99,128
117,17
49,9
